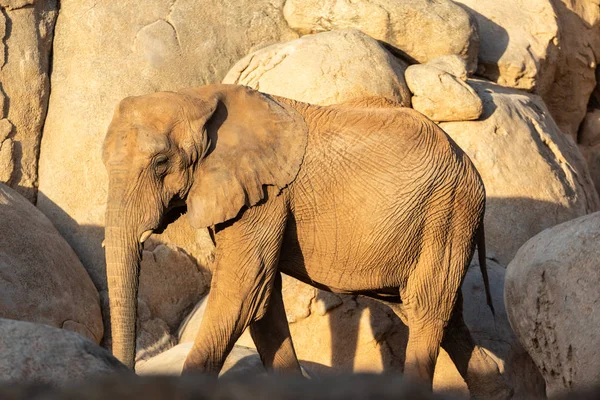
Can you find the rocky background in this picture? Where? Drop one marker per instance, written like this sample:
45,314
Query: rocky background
513,82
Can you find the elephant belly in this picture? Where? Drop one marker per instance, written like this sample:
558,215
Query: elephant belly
356,259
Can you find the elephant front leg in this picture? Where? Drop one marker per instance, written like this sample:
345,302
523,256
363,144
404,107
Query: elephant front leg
235,300
271,335
244,275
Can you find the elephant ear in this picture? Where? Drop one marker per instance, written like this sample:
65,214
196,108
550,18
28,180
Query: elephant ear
254,141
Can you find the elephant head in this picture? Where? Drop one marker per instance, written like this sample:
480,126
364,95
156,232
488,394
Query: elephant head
213,149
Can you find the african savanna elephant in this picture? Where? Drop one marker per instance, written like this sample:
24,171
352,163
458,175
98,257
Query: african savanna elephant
356,198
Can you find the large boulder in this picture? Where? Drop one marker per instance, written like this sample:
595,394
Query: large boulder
421,29
441,91
41,279
343,333
552,299
518,42
535,177
103,52
26,29
326,68
42,354
577,67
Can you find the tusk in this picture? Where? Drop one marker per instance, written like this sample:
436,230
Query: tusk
103,244
145,236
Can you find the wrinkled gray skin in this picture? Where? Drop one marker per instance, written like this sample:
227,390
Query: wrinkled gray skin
363,198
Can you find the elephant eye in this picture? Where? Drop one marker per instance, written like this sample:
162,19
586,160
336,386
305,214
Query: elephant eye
161,164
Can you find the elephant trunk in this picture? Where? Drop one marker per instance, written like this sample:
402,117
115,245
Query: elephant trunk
123,254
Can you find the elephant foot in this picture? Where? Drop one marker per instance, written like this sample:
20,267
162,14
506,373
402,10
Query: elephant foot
195,364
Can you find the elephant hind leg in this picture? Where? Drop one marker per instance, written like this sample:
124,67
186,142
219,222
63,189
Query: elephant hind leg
478,369
271,335
431,290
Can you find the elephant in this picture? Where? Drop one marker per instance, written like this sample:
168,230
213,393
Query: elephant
364,197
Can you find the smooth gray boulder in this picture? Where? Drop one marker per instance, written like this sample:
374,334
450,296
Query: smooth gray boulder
43,354
41,278
553,303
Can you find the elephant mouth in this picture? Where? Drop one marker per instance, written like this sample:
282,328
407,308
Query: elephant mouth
172,214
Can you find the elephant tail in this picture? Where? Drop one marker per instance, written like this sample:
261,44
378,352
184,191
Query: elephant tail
483,266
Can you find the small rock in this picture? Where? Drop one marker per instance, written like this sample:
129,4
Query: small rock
454,65
441,96
5,129
7,164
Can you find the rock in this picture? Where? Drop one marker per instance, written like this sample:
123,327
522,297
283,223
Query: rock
552,300
534,176
454,65
7,166
241,361
346,387
170,292
326,68
39,353
442,96
191,323
342,333
106,51
518,42
589,144
422,29
25,44
153,335
576,67
41,279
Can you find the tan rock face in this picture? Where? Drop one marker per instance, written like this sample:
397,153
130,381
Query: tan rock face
518,42
534,176
442,96
25,43
552,299
422,29
43,354
41,279
106,51
575,78
326,68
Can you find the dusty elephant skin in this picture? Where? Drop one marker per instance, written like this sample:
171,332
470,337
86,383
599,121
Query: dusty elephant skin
370,199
